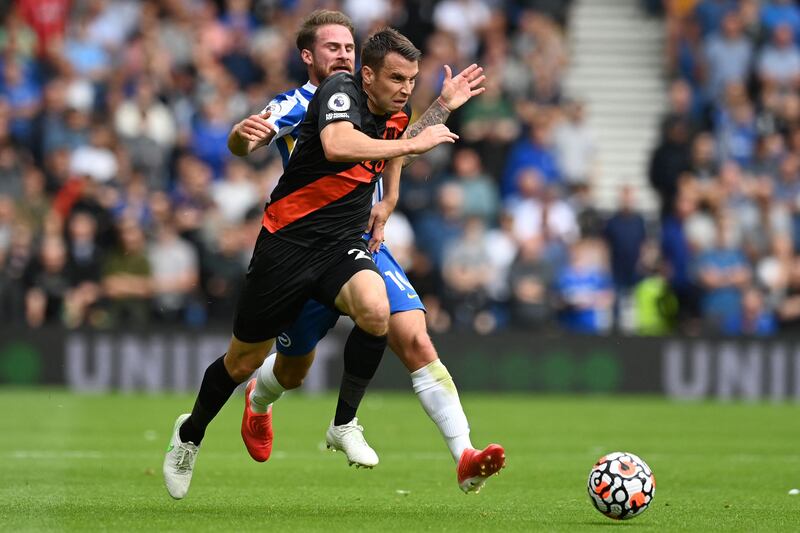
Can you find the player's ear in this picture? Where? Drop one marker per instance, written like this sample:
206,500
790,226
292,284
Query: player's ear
367,74
306,56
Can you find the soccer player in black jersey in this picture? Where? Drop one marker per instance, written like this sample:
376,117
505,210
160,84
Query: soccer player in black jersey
326,44
311,245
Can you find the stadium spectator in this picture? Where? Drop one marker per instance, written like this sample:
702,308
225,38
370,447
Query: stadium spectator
467,273
535,151
684,53
703,164
770,149
147,128
7,220
85,263
539,212
489,125
668,162
85,57
33,205
126,278
174,273
399,236
625,234
710,13
18,256
531,278
682,108
749,12
778,64
223,273
477,189
574,145
773,271
678,254
584,291
419,190
236,193
438,229
654,305
465,19
721,273
49,129
736,127
24,97
788,309
778,12
591,221
48,18
753,319
210,135
503,249
727,55
48,283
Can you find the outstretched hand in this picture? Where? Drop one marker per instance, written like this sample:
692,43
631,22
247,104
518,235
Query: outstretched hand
456,91
431,137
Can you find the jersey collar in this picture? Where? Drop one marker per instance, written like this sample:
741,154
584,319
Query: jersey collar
310,87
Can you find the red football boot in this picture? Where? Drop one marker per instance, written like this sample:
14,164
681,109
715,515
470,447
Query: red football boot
475,466
256,428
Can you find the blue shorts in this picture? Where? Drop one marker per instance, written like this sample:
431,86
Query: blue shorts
316,319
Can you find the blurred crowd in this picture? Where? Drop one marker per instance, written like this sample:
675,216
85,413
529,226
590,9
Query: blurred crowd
727,168
120,205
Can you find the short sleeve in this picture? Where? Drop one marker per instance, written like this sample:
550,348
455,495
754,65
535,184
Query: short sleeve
339,99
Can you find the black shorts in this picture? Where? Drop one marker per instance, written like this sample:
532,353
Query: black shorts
282,276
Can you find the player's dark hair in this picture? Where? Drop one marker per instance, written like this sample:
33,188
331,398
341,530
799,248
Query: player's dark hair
383,41
307,34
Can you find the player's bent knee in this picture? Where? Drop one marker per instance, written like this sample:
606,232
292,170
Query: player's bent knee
290,371
375,319
290,378
415,350
422,346
240,370
243,359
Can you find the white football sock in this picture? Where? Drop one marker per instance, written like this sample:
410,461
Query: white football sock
267,389
438,395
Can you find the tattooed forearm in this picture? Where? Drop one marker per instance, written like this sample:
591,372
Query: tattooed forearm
437,113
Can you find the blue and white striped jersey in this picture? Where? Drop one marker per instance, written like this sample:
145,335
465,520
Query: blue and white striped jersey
287,112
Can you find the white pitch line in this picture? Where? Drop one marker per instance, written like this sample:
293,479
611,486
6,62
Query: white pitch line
278,455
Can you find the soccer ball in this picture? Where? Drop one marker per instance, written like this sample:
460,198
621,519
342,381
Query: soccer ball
621,485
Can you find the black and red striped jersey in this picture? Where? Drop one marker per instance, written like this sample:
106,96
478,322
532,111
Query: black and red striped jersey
319,203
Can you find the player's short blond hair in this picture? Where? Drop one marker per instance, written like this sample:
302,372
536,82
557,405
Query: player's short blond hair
307,34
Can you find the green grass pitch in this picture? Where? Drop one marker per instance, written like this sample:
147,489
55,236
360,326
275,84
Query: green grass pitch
86,463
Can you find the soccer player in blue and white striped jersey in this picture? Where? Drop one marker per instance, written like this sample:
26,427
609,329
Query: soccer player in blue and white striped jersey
326,46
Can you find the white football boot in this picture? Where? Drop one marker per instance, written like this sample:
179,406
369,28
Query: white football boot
349,438
179,462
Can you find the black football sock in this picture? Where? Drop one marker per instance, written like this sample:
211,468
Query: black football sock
362,355
216,388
